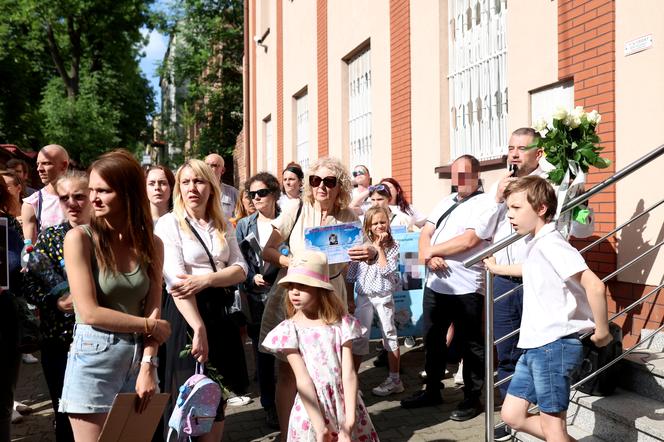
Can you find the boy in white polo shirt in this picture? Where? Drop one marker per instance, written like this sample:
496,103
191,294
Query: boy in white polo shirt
562,299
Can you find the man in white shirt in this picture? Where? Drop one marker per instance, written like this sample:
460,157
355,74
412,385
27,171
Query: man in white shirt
228,193
42,209
453,293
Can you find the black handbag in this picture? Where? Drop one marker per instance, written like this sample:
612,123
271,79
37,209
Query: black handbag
218,296
28,331
595,358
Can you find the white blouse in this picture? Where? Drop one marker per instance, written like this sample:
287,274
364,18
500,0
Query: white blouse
184,254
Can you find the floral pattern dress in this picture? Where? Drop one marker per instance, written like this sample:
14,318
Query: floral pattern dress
320,347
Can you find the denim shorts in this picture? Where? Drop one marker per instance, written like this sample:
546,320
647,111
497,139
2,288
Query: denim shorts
100,365
542,375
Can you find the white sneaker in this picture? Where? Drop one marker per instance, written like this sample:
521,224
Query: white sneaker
16,417
29,359
22,408
388,387
458,376
238,401
409,342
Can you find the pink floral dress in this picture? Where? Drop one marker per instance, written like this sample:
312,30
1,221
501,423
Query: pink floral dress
320,348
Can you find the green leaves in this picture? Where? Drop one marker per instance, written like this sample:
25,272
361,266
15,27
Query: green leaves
573,137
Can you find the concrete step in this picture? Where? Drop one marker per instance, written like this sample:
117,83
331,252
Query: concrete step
577,433
656,344
643,373
623,416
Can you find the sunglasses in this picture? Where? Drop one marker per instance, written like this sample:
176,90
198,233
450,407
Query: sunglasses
378,188
358,173
329,181
260,192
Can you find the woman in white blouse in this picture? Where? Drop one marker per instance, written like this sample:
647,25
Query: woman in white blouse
201,256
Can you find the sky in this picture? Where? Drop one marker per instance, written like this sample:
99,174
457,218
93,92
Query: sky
154,53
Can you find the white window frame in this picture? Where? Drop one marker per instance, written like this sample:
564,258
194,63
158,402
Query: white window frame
478,78
544,101
359,108
302,153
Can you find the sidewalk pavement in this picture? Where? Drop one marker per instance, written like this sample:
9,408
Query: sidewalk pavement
247,423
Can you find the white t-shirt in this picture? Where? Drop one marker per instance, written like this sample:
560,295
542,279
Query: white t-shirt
554,304
457,279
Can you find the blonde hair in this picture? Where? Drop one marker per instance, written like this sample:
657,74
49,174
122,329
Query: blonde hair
330,307
72,175
343,181
213,205
368,216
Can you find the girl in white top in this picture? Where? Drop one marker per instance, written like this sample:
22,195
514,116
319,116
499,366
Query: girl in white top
380,196
375,284
292,180
360,197
399,203
159,183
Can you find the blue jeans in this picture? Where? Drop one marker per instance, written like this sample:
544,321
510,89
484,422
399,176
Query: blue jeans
506,318
543,374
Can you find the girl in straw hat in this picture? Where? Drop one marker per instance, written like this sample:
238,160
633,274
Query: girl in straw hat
316,340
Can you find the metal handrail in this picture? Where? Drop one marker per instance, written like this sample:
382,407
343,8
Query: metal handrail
622,173
489,301
604,367
589,246
606,278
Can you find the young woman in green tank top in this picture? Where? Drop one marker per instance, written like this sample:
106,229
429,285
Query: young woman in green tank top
114,268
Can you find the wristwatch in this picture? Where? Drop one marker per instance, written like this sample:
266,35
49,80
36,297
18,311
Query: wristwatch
152,360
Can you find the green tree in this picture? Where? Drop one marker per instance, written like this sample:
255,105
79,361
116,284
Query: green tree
88,52
208,64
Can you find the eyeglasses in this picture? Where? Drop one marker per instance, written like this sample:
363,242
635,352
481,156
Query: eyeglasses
260,192
378,188
358,173
329,181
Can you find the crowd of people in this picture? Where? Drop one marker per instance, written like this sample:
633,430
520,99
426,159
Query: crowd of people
132,267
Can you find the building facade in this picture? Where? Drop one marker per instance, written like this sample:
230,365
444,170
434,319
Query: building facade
406,86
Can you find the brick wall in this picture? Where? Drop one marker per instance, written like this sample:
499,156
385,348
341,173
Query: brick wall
321,74
649,315
586,53
400,90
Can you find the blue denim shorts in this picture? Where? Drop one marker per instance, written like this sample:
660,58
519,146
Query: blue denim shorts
542,375
100,365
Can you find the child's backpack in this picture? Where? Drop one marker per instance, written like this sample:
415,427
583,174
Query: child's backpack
196,407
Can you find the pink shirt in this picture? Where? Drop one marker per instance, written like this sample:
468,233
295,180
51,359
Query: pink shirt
51,212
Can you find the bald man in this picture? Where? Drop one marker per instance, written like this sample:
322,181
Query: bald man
228,193
42,209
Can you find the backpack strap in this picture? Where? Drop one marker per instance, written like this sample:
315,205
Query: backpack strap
40,203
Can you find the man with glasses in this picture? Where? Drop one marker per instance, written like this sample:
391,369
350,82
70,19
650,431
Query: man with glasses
453,293
229,194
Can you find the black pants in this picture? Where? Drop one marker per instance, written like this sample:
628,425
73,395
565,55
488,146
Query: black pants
265,362
465,311
54,362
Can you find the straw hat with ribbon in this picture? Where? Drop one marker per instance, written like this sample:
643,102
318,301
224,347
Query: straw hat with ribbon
308,268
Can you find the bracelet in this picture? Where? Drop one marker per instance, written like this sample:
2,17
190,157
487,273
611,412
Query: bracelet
154,327
146,325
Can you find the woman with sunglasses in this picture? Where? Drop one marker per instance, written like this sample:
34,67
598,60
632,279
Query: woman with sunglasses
325,202
252,234
292,179
399,203
360,197
380,196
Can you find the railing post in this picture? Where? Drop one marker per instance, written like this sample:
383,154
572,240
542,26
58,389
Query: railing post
488,356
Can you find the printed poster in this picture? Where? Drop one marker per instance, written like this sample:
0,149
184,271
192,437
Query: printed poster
334,241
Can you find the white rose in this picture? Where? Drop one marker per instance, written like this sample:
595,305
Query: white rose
560,113
540,124
594,117
543,132
578,112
